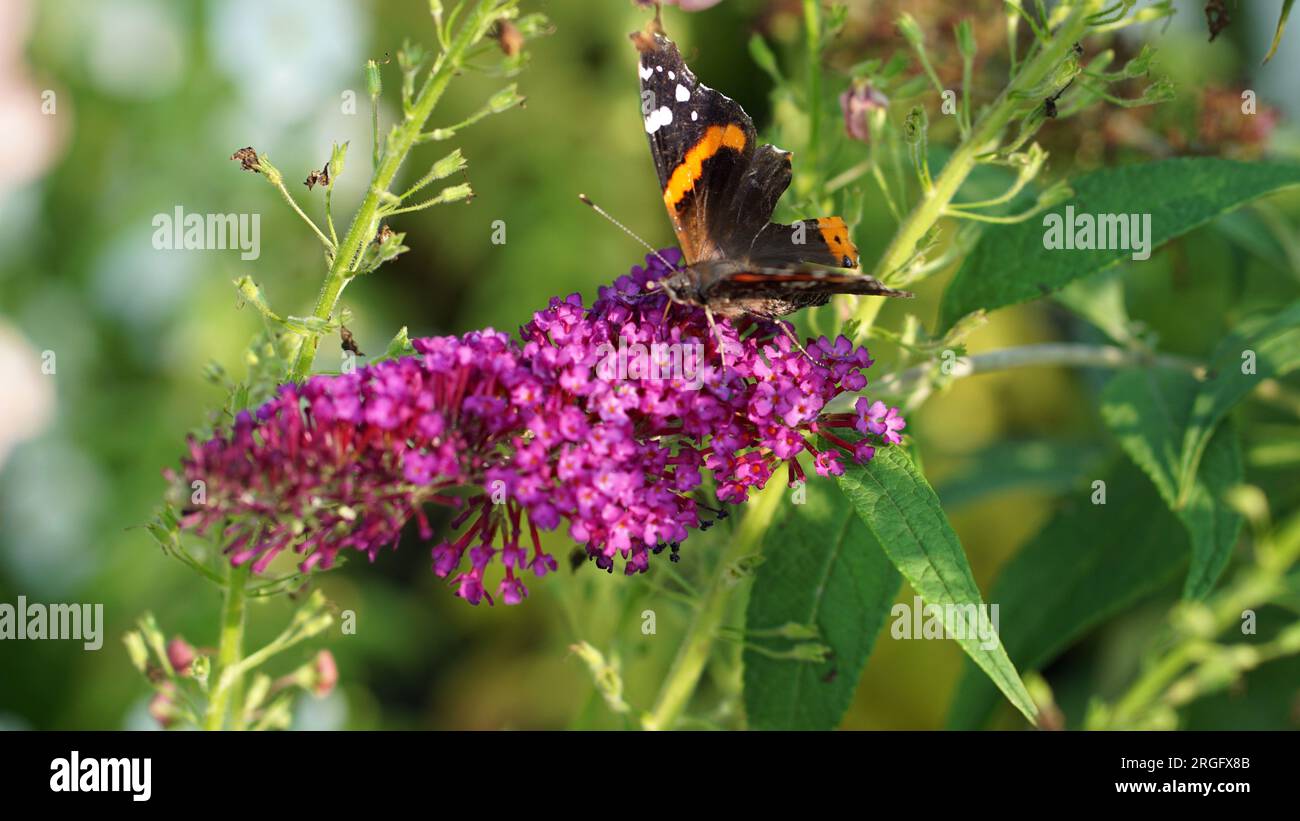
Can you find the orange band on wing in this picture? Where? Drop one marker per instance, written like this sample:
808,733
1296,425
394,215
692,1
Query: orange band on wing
691,169
836,234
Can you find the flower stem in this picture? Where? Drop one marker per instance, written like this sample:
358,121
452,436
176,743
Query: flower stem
812,13
983,138
230,651
697,646
400,142
284,192
911,382
1065,354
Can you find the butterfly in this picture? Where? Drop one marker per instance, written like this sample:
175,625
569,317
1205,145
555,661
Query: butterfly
721,188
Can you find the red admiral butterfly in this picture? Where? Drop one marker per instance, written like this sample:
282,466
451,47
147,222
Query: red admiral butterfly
721,190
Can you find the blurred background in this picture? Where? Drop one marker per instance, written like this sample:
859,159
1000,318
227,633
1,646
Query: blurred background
114,111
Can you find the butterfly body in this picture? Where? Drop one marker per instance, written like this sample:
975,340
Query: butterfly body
720,189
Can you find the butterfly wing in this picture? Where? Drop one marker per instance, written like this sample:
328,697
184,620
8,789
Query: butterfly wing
823,241
702,142
735,288
719,187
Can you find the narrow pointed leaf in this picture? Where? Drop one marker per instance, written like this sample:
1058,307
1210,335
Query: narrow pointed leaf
903,512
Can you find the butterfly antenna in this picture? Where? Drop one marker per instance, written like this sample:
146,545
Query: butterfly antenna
587,200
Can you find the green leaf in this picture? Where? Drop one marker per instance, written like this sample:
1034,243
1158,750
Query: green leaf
1148,411
1088,563
762,55
1100,300
1275,343
1011,264
903,512
1281,27
1252,235
823,568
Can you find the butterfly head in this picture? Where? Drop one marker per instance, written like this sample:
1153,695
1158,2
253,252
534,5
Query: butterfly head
678,286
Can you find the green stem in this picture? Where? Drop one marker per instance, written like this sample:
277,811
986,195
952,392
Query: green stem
400,142
697,646
230,650
813,26
1149,687
983,138
284,192
916,381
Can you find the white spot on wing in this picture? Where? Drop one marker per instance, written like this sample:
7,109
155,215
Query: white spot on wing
672,76
658,118
682,94
659,68
645,72
695,115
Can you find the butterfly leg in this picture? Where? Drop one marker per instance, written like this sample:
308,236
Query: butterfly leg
788,331
717,335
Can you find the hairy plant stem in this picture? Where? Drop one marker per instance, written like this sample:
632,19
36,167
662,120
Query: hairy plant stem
697,646
230,651
365,223
984,137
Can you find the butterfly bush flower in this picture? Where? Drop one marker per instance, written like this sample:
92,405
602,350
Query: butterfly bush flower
551,431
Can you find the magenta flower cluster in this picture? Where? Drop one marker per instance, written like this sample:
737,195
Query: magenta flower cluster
601,420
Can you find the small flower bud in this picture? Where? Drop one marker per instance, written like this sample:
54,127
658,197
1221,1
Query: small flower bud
811,651
860,104
319,676
794,630
374,83
965,34
327,673
455,193
915,126
448,165
136,650
505,99
163,708
337,155
181,655
508,37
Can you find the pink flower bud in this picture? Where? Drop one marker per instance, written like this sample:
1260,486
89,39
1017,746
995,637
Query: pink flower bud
181,655
327,673
858,103
162,708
